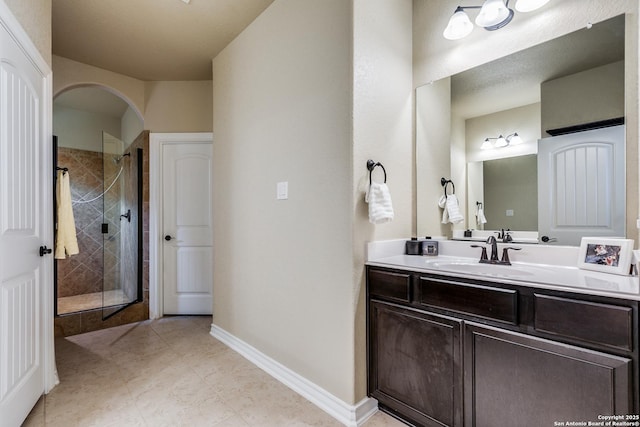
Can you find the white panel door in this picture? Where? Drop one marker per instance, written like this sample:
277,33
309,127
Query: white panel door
187,227
21,232
581,185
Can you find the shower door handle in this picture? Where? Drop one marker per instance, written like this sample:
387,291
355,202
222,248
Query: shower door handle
167,238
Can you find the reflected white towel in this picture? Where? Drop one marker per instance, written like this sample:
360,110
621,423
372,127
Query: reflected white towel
380,207
451,212
480,218
66,240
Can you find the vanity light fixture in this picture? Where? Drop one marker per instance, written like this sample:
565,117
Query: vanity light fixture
493,15
501,141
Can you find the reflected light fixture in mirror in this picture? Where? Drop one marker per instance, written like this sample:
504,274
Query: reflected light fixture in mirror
493,15
501,141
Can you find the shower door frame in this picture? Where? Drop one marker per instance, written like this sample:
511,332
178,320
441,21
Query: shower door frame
140,247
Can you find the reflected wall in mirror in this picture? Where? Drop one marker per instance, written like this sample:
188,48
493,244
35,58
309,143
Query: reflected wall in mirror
508,192
572,80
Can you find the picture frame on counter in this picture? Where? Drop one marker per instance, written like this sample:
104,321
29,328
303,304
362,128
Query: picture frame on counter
607,255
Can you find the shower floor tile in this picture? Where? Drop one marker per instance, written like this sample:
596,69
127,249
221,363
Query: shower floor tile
90,301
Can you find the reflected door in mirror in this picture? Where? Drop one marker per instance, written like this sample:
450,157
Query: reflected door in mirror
581,185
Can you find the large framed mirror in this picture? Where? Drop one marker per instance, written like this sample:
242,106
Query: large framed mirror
565,85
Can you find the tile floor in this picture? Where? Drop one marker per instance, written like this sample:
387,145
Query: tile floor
169,372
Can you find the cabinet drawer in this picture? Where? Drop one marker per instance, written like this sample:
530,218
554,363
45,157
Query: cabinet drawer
603,324
389,285
483,301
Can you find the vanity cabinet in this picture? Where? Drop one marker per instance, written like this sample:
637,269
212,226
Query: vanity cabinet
416,364
513,379
453,351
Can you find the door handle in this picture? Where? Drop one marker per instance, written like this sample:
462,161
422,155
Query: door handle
44,250
167,238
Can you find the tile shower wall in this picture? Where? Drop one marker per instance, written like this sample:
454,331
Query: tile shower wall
82,274
91,320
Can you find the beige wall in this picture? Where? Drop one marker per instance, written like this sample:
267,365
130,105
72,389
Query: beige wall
589,96
382,131
68,74
163,106
82,130
283,272
436,58
130,126
180,106
288,275
35,18
433,128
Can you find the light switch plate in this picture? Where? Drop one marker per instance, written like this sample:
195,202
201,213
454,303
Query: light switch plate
509,212
282,190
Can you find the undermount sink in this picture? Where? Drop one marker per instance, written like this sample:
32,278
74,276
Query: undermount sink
486,269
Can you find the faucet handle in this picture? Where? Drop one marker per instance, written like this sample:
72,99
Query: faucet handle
505,255
483,255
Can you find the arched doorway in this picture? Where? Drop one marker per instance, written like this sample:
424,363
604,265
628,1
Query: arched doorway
101,143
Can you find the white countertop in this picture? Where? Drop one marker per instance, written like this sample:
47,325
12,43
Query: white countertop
545,276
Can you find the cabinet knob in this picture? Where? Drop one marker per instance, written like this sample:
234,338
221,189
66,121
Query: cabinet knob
167,238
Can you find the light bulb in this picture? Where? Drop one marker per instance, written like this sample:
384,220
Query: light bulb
486,144
459,26
515,139
492,13
529,5
501,142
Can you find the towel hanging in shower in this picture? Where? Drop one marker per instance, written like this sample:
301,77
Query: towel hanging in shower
66,240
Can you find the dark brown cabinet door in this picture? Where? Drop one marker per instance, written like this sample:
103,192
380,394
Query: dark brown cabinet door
415,364
518,380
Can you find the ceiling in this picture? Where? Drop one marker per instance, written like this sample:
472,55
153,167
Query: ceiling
151,40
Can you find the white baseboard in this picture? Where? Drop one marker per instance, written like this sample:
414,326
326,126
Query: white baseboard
349,415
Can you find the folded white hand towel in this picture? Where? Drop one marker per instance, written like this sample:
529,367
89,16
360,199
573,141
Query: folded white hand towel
66,240
481,219
380,207
453,209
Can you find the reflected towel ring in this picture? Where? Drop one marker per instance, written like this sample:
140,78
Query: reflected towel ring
371,165
444,182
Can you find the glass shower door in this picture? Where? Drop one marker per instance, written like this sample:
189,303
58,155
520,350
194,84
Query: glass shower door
120,227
